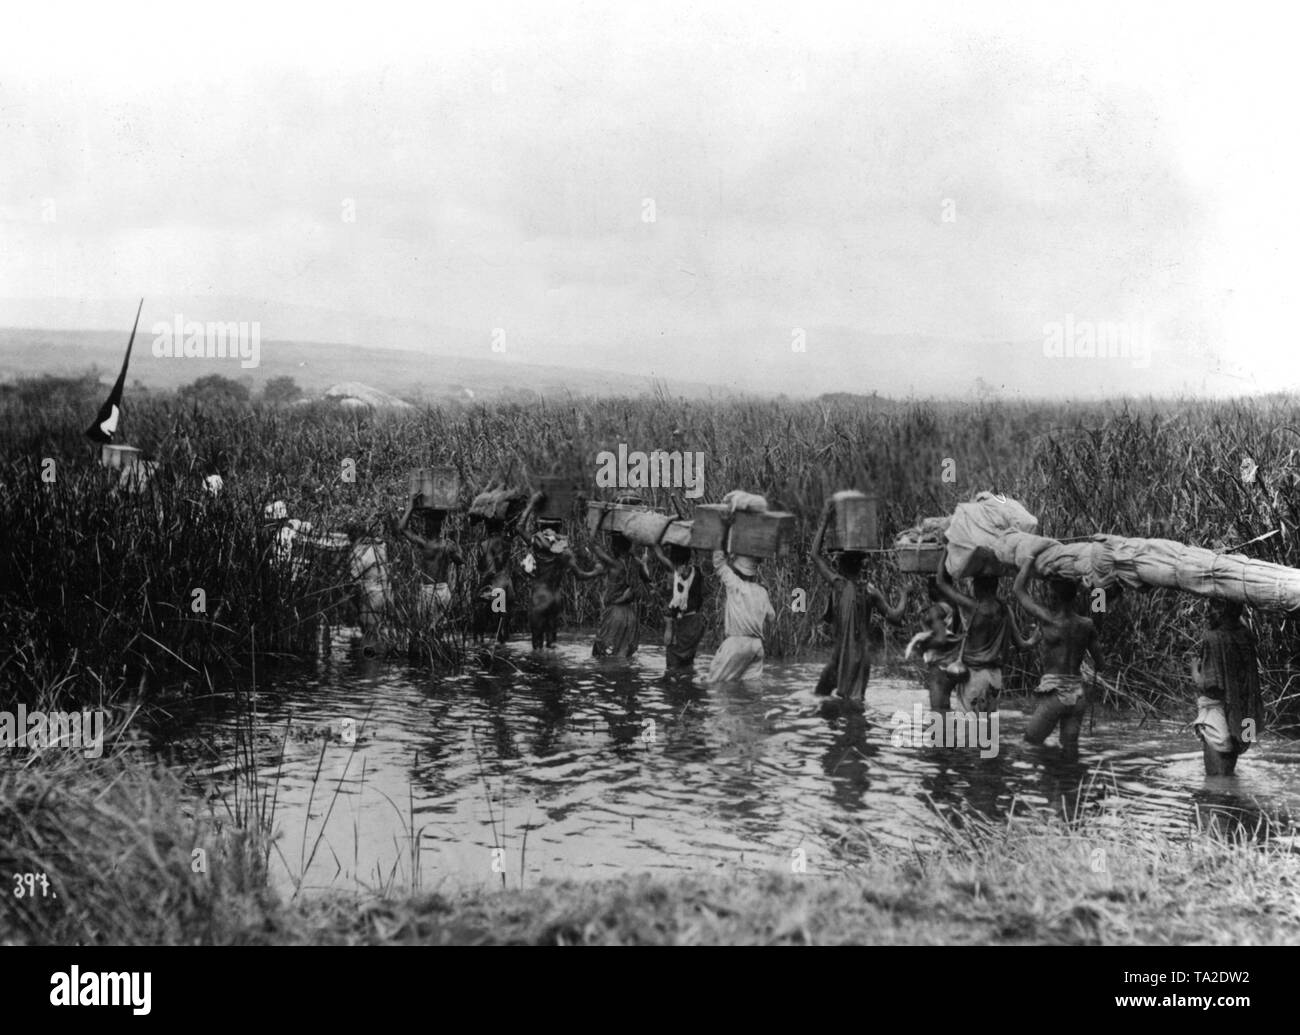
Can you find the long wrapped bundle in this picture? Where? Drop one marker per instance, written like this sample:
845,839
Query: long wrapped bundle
1110,559
1002,529
678,533
645,527
604,516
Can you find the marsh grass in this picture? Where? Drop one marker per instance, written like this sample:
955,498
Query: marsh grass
108,582
118,839
95,609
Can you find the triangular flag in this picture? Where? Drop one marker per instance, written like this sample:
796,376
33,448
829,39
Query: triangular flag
105,425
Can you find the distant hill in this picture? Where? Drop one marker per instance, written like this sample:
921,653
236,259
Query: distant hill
418,360
315,366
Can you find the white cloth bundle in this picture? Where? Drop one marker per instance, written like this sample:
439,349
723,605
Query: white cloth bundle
738,499
1004,528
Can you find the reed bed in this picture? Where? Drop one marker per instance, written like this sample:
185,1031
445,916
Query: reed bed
108,581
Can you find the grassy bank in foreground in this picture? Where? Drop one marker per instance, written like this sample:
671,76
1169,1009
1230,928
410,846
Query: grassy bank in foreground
117,840
944,902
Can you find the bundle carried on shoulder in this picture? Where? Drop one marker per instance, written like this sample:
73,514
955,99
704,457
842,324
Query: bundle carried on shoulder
627,515
646,527
678,533
990,535
993,534
1108,560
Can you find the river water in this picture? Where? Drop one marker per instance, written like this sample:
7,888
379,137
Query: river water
555,764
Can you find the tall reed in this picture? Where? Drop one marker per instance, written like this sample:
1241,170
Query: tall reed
110,581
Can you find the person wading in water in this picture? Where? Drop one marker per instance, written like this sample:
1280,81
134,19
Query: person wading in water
437,556
1230,709
549,560
620,626
989,622
852,602
684,624
1066,638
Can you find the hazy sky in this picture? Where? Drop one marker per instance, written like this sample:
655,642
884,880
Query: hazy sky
964,173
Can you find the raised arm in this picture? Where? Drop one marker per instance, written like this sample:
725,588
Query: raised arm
892,612
916,641
403,525
819,561
584,574
1031,605
1017,637
602,555
947,590
725,575
521,527
663,558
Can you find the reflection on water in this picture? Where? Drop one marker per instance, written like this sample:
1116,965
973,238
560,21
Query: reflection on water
559,765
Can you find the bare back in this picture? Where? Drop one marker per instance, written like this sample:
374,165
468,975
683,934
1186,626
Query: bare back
1066,639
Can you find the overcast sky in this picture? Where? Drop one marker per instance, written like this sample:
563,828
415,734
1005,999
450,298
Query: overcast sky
675,191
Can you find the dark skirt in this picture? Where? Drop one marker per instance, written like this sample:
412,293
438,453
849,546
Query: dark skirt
688,631
618,632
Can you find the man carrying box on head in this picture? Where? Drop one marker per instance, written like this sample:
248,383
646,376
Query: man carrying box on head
853,601
549,559
684,626
748,609
437,557
620,626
